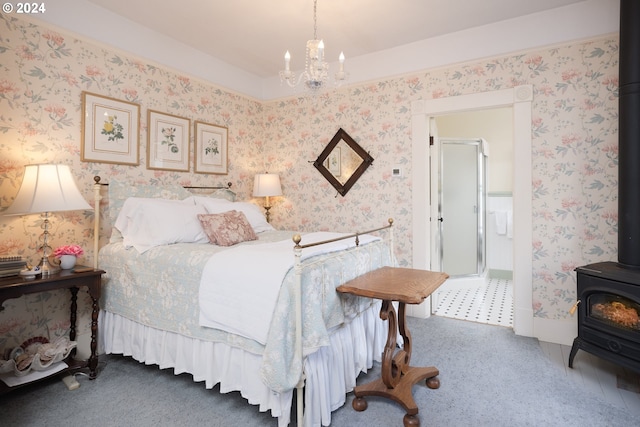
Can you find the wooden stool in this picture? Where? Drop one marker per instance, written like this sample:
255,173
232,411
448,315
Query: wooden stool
406,286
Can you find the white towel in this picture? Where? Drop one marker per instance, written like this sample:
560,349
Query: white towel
510,224
501,222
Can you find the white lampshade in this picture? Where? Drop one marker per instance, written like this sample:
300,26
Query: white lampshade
266,184
47,188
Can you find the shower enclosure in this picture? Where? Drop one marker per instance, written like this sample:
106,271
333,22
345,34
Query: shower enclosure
462,207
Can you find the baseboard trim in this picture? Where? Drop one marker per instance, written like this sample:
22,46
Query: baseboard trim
463,282
501,274
555,331
421,311
522,321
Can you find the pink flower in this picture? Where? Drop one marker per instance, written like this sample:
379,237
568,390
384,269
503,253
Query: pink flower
569,75
54,38
534,60
68,250
6,87
93,71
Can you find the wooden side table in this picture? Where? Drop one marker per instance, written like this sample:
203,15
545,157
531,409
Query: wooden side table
406,286
16,286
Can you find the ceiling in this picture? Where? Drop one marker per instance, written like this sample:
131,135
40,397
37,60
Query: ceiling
253,35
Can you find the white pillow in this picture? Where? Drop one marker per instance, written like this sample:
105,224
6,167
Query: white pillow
254,215
253,212
207,201
146,223
131,205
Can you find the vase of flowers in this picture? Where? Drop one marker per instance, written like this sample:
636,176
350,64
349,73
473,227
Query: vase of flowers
68,255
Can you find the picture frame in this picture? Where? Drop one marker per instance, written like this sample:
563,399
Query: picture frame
168,139
211,149
110,130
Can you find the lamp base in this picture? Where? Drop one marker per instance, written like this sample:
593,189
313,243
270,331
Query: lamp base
267,214
47,268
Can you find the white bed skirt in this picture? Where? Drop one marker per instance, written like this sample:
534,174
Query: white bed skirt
330,372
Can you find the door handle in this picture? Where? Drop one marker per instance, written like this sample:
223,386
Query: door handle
440,219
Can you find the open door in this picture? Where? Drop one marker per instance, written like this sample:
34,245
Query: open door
421,218
434,208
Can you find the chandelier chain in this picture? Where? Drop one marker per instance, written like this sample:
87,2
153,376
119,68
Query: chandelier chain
315,20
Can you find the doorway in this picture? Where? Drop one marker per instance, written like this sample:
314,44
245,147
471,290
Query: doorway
423,112
480,179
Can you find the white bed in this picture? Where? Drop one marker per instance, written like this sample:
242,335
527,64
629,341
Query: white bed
157,294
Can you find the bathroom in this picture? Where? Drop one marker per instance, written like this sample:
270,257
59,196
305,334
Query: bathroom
474,242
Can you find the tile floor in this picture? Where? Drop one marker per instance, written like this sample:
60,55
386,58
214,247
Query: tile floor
491,302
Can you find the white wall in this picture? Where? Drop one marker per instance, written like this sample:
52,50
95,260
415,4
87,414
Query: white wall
496,126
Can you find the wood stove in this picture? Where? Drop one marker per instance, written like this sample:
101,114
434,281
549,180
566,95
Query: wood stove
608,314
609,292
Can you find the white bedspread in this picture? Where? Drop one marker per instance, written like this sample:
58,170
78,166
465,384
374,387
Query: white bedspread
239,287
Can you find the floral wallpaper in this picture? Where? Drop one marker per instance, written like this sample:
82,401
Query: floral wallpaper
574,129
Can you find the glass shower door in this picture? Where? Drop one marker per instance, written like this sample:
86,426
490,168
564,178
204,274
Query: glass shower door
462,206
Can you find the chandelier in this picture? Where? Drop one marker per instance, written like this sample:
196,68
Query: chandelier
316,70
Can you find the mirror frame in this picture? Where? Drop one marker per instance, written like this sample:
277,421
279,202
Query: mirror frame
367,160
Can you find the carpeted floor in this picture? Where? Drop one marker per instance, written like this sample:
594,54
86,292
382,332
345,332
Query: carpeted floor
489,377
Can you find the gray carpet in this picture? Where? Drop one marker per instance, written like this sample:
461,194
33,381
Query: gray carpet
489,377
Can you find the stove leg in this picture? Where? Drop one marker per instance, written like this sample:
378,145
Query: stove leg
574,349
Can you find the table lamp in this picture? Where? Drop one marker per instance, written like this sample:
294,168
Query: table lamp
47,188
267,185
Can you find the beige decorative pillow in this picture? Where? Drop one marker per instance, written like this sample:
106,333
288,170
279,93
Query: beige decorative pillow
227,228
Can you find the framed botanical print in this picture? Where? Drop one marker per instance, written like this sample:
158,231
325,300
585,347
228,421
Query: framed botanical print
110,130
168,139
211,149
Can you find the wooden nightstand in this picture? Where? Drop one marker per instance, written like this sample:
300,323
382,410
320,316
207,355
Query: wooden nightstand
406,286
16,286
